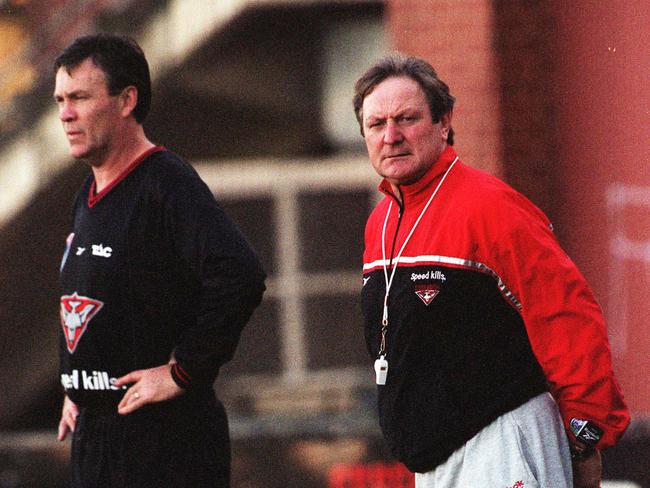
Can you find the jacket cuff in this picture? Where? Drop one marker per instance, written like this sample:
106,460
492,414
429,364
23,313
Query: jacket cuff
181,377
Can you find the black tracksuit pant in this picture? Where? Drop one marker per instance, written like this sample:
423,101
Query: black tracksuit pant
182,443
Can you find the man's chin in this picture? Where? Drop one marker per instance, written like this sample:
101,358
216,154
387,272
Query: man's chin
81,155
398,173
85,158
77,152
404,178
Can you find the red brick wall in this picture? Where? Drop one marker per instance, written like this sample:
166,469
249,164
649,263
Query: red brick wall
602,90
522,33
493,56
456,38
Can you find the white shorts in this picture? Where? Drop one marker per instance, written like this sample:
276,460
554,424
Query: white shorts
524,448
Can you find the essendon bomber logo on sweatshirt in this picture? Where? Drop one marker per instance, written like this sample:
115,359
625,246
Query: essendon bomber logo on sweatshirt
76,313
427,292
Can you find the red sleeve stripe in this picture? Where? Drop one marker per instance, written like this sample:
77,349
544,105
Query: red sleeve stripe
182,378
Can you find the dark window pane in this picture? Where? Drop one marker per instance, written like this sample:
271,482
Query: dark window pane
335,332
254,217
259,346
331,226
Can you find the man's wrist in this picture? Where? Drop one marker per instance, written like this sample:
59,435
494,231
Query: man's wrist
581,452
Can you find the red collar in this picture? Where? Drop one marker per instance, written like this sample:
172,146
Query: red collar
418,189
93,197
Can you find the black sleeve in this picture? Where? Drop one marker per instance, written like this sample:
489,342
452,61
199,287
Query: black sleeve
228,275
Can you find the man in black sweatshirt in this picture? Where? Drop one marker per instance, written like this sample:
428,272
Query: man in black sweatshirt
156,286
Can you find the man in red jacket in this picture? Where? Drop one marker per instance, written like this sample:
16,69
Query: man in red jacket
491,354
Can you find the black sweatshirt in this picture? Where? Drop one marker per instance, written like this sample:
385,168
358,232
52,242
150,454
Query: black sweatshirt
153,269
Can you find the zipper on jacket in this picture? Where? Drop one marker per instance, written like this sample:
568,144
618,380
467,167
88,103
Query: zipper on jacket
400,213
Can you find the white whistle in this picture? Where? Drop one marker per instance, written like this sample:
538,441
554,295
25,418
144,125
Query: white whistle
381,370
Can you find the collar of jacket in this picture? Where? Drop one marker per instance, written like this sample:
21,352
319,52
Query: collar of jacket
418,190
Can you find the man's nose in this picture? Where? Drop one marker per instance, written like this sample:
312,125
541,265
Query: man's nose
66,111
392,134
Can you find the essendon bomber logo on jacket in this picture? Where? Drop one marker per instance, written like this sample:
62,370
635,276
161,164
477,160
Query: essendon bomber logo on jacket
76,313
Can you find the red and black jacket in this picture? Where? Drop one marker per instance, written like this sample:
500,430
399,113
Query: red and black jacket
485,312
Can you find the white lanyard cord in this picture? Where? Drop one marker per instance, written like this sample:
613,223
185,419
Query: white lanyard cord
395,261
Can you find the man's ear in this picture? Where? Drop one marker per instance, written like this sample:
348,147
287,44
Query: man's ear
129,99
445,123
